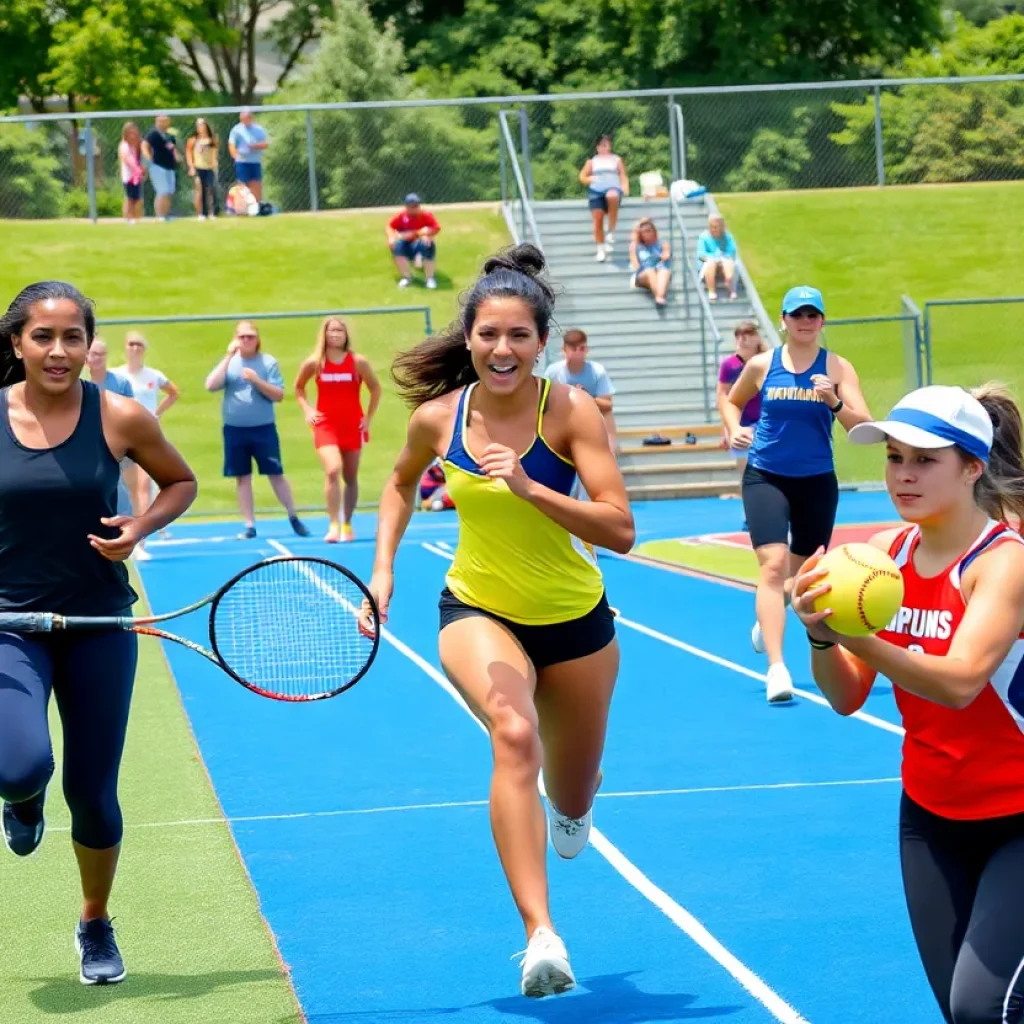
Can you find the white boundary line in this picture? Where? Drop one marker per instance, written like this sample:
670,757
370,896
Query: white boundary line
814,698
349,812
680,917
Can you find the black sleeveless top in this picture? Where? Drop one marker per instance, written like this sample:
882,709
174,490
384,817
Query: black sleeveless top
51,499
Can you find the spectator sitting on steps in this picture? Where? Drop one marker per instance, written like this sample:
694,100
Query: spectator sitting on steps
576,370
716,254
651,260
411,235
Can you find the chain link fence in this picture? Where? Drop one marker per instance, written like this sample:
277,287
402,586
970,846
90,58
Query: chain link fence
734,139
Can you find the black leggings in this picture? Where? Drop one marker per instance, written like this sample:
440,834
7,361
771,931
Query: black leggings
964,882
91,676
798,510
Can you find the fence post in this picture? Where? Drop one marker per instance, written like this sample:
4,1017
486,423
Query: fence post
90,169
673,136
429,326
502,156
314,199
524,133
927,343
879,152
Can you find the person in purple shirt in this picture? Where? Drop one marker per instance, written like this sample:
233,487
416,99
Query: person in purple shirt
748,343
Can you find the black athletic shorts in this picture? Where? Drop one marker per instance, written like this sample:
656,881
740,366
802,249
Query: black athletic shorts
550,644
963,885
798,510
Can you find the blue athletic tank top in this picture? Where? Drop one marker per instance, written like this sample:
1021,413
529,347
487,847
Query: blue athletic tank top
51,499
793,436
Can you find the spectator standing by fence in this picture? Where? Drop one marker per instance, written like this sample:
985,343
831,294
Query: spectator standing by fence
605,176
96,361
201,156
129,153
160,150
247,143
412,236
252,383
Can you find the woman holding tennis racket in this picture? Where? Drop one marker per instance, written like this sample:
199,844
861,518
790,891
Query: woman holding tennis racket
340,427
527,635
62,550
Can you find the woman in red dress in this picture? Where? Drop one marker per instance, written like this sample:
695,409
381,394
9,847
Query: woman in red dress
340,427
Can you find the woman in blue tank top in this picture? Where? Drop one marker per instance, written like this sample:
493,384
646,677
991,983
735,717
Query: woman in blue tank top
62,549
790,491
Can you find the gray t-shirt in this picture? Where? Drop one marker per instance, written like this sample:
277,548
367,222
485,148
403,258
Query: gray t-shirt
243,405
593,378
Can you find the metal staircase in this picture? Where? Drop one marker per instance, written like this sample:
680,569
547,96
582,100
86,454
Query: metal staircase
662,362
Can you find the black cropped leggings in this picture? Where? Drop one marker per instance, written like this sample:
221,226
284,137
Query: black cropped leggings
91,676
964,882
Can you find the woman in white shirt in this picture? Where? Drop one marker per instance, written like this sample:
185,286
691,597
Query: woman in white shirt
604,174
147,383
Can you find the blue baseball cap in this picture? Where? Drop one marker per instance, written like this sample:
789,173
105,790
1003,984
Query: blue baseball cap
412,199
803,295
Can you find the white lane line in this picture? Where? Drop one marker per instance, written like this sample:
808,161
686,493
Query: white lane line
436,550
680,917
347,812
815,698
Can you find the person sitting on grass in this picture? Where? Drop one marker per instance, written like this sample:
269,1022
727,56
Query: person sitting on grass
651,260
717,254
411,236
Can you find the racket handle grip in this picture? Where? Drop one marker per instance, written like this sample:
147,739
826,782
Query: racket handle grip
28,622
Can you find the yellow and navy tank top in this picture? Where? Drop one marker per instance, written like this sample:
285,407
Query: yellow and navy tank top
512,560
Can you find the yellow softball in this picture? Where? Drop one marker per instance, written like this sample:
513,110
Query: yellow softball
867,589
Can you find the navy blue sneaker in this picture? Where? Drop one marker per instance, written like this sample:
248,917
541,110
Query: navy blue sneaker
248,533
299,526
23,826
101,959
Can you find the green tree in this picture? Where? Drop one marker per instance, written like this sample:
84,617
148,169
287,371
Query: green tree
950,133
372,157
27,32
29,185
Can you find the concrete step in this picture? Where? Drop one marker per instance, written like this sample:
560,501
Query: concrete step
616,293
701,454
640,381
675,429
723,470
652,416
683,489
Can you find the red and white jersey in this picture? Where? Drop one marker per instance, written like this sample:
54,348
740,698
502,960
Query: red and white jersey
338,387
964,764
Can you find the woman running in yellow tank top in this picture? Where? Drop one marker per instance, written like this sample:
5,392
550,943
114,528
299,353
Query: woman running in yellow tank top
527,636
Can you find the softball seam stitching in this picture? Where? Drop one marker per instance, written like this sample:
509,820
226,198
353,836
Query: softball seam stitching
873,575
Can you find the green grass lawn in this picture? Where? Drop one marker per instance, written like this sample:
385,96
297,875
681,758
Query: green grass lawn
250,266
865,248
187,919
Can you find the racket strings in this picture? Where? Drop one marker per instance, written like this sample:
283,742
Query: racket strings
290,629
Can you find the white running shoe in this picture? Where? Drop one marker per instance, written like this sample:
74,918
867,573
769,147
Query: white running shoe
757,638
610,238
779,684
602,254
545,964
569,835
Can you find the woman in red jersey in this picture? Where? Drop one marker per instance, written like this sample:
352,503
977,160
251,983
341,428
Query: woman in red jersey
340,428
955,655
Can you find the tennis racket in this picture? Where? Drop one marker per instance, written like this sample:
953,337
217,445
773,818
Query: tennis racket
290,628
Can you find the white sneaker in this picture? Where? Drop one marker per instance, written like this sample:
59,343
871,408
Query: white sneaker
569,835
545,964
602,254
757,639
431,283
610,238
779,684
404,282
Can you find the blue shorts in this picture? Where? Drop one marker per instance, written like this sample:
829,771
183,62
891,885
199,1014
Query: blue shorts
247,172
427,248
243,445
132,192
599,200
164,179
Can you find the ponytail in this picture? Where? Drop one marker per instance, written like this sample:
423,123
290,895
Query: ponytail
999,490
12,323
442,363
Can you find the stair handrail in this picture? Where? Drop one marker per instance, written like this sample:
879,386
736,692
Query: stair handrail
707,316
765,322
526,206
